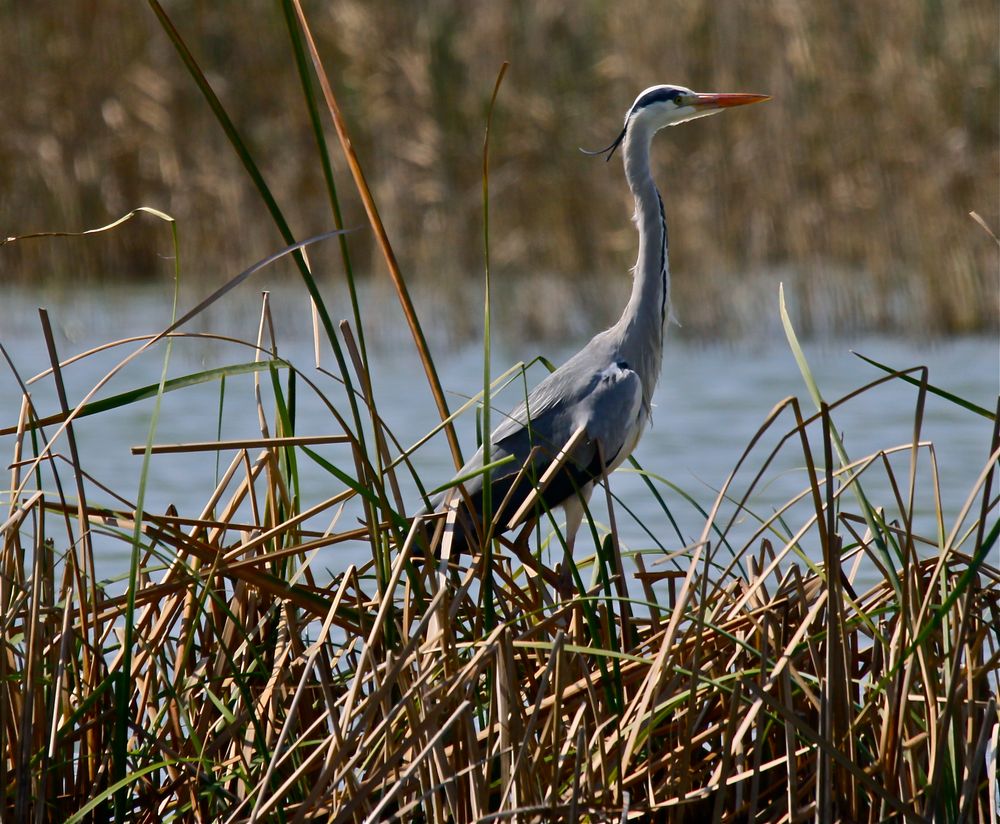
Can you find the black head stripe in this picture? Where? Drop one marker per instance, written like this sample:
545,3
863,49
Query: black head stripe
658,95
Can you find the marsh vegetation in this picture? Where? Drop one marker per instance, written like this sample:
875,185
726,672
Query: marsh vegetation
747,675
853,186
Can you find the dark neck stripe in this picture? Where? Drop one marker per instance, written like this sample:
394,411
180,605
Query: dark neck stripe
663,262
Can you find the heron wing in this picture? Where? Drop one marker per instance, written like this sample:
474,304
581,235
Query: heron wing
606,403
611,413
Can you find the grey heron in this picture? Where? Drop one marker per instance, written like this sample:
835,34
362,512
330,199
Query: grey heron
584,419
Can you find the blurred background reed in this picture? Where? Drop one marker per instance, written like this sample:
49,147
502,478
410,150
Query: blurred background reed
853,186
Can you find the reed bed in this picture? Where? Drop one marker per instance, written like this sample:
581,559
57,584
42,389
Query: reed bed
855,182
746,675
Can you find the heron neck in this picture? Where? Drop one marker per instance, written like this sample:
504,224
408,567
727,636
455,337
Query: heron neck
642,323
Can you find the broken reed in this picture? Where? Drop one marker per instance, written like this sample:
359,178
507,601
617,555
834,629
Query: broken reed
744,677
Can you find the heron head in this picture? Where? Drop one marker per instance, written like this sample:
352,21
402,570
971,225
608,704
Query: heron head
661,106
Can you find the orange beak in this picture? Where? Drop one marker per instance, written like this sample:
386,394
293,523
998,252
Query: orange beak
721,101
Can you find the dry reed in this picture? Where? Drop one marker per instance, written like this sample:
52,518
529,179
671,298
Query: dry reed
855,183
731,680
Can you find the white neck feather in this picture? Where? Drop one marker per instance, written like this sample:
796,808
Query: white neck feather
642,323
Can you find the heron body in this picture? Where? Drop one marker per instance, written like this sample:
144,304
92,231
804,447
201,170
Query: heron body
607,387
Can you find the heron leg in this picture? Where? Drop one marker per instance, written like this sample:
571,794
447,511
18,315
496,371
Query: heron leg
574,508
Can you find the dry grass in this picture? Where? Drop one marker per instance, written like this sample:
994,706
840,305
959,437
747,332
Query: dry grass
747,677
855,181
734,679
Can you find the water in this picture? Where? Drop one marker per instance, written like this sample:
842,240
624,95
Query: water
710,402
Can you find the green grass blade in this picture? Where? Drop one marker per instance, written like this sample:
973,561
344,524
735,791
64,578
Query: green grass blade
312,106
489,610
883,539
264,191
115,788
151,390
934,390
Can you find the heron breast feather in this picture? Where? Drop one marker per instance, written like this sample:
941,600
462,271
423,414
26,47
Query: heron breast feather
611,412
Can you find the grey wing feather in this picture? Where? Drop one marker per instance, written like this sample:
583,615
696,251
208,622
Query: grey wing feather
610,413
594,389
606,403
562,390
